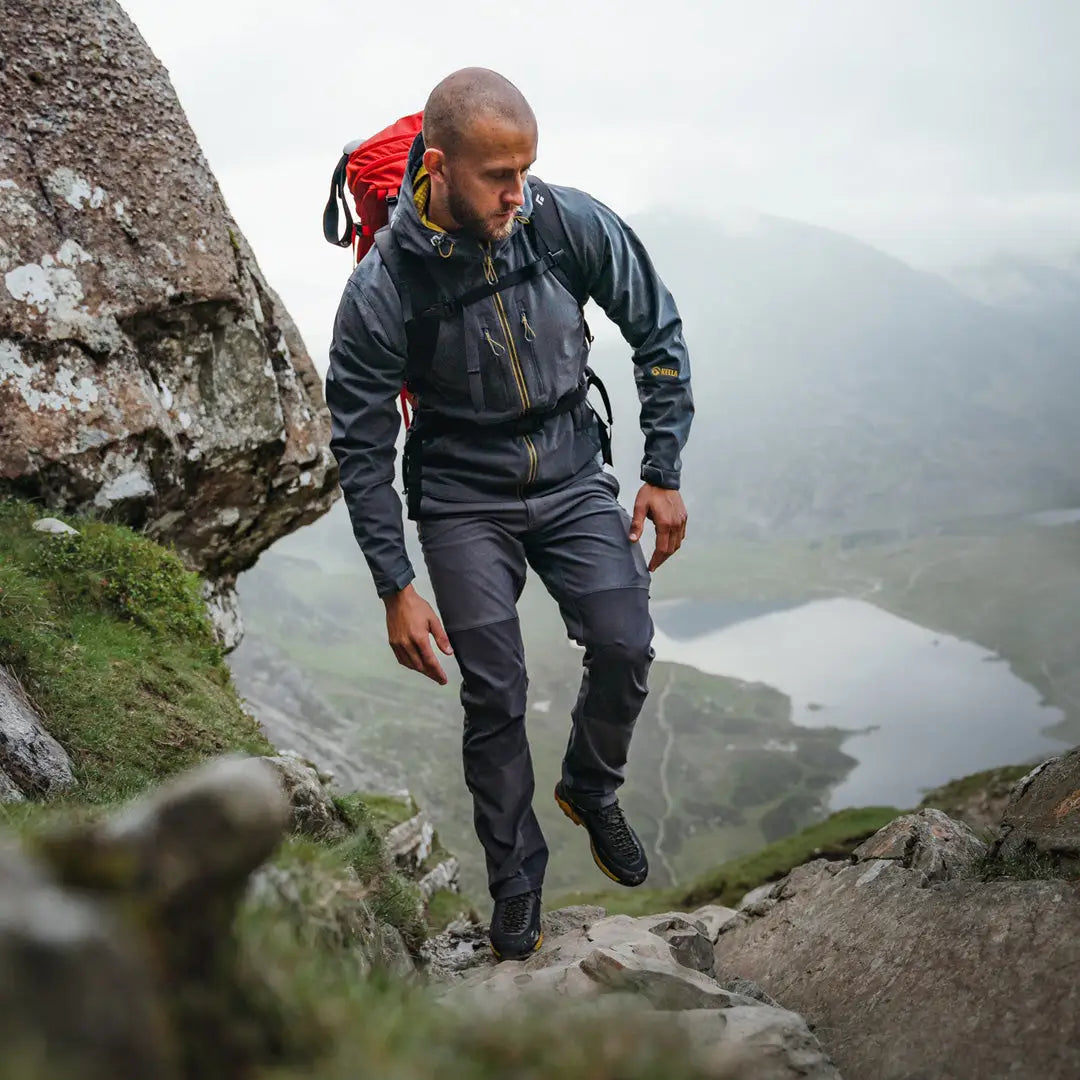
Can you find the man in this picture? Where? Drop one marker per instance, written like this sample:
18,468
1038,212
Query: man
504,468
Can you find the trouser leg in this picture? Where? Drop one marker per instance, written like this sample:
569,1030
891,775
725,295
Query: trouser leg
495,751
615,628
581,549
477,569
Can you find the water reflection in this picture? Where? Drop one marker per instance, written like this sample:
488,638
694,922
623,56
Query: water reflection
923,707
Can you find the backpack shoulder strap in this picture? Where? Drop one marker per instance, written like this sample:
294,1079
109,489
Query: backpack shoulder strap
547,221
417,293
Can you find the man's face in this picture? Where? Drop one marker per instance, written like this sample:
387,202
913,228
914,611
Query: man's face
485,179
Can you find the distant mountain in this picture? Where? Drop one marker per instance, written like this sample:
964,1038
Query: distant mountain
838,389
1048,295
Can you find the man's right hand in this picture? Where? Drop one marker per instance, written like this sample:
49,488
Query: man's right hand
411,622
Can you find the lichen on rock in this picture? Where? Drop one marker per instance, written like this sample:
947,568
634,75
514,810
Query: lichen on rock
147,370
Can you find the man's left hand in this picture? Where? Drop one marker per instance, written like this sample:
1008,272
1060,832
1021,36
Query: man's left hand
665,509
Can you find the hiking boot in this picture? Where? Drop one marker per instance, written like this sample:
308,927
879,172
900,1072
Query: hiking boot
515,926
616,848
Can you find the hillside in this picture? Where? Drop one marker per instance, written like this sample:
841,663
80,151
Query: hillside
840,390
299,973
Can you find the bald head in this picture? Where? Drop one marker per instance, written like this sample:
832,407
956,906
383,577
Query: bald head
468,98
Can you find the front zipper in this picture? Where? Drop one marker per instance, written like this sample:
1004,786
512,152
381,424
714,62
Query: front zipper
492,277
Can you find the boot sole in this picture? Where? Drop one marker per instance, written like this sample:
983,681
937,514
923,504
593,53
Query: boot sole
523,956
572,814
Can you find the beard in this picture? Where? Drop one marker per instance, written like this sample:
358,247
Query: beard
481,228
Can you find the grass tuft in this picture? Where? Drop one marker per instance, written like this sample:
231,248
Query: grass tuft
109,637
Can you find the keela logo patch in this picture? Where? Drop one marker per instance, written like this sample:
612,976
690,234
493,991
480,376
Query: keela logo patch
665,371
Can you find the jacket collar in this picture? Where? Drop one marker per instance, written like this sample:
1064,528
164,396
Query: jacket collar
415,232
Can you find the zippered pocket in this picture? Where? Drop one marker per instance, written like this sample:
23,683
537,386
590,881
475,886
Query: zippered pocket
489,362
528,334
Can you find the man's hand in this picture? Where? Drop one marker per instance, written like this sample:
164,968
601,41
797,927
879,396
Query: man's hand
665,509
410,624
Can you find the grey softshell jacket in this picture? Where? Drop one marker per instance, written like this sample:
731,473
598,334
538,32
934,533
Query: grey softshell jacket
518,351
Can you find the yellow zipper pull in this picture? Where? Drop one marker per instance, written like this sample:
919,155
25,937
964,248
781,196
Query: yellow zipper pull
530,334
489,267
496,348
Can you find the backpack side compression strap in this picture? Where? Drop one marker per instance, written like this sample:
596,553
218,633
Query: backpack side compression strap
330,212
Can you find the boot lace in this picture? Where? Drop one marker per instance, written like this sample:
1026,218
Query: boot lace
514,917
617,831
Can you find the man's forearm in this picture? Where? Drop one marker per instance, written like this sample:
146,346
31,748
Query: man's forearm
376,520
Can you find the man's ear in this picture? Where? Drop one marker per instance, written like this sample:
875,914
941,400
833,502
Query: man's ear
435,163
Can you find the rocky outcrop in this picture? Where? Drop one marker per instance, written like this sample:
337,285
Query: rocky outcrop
116,942
32,762
147,370
1043,815
660,965
929,843
97,1015
909,965
310,798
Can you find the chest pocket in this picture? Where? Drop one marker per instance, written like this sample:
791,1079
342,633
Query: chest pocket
452,376
551,329
471,366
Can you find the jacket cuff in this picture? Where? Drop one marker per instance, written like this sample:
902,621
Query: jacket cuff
389,586
664,478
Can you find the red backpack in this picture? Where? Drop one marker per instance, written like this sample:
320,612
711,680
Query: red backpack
373,170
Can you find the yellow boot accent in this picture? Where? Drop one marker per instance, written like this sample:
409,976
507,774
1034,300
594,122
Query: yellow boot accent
539,942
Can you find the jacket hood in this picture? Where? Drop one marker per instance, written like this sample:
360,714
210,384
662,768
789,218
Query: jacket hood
411,231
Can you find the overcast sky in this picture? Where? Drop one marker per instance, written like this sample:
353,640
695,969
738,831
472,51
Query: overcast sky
941,131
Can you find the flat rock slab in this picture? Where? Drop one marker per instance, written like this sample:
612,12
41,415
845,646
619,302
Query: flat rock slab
954,980
657,966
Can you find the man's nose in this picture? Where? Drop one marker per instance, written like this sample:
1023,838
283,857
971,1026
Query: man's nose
516,195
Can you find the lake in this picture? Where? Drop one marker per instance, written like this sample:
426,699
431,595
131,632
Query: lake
923,707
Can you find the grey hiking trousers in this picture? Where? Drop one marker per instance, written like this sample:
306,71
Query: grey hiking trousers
576,540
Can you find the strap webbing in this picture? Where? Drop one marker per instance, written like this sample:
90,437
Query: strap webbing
447,309
330,212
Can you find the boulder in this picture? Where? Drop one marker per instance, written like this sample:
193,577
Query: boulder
928,841
223,608
1043,815
173,867
904,974
76,997
200,834
32,761
148,372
